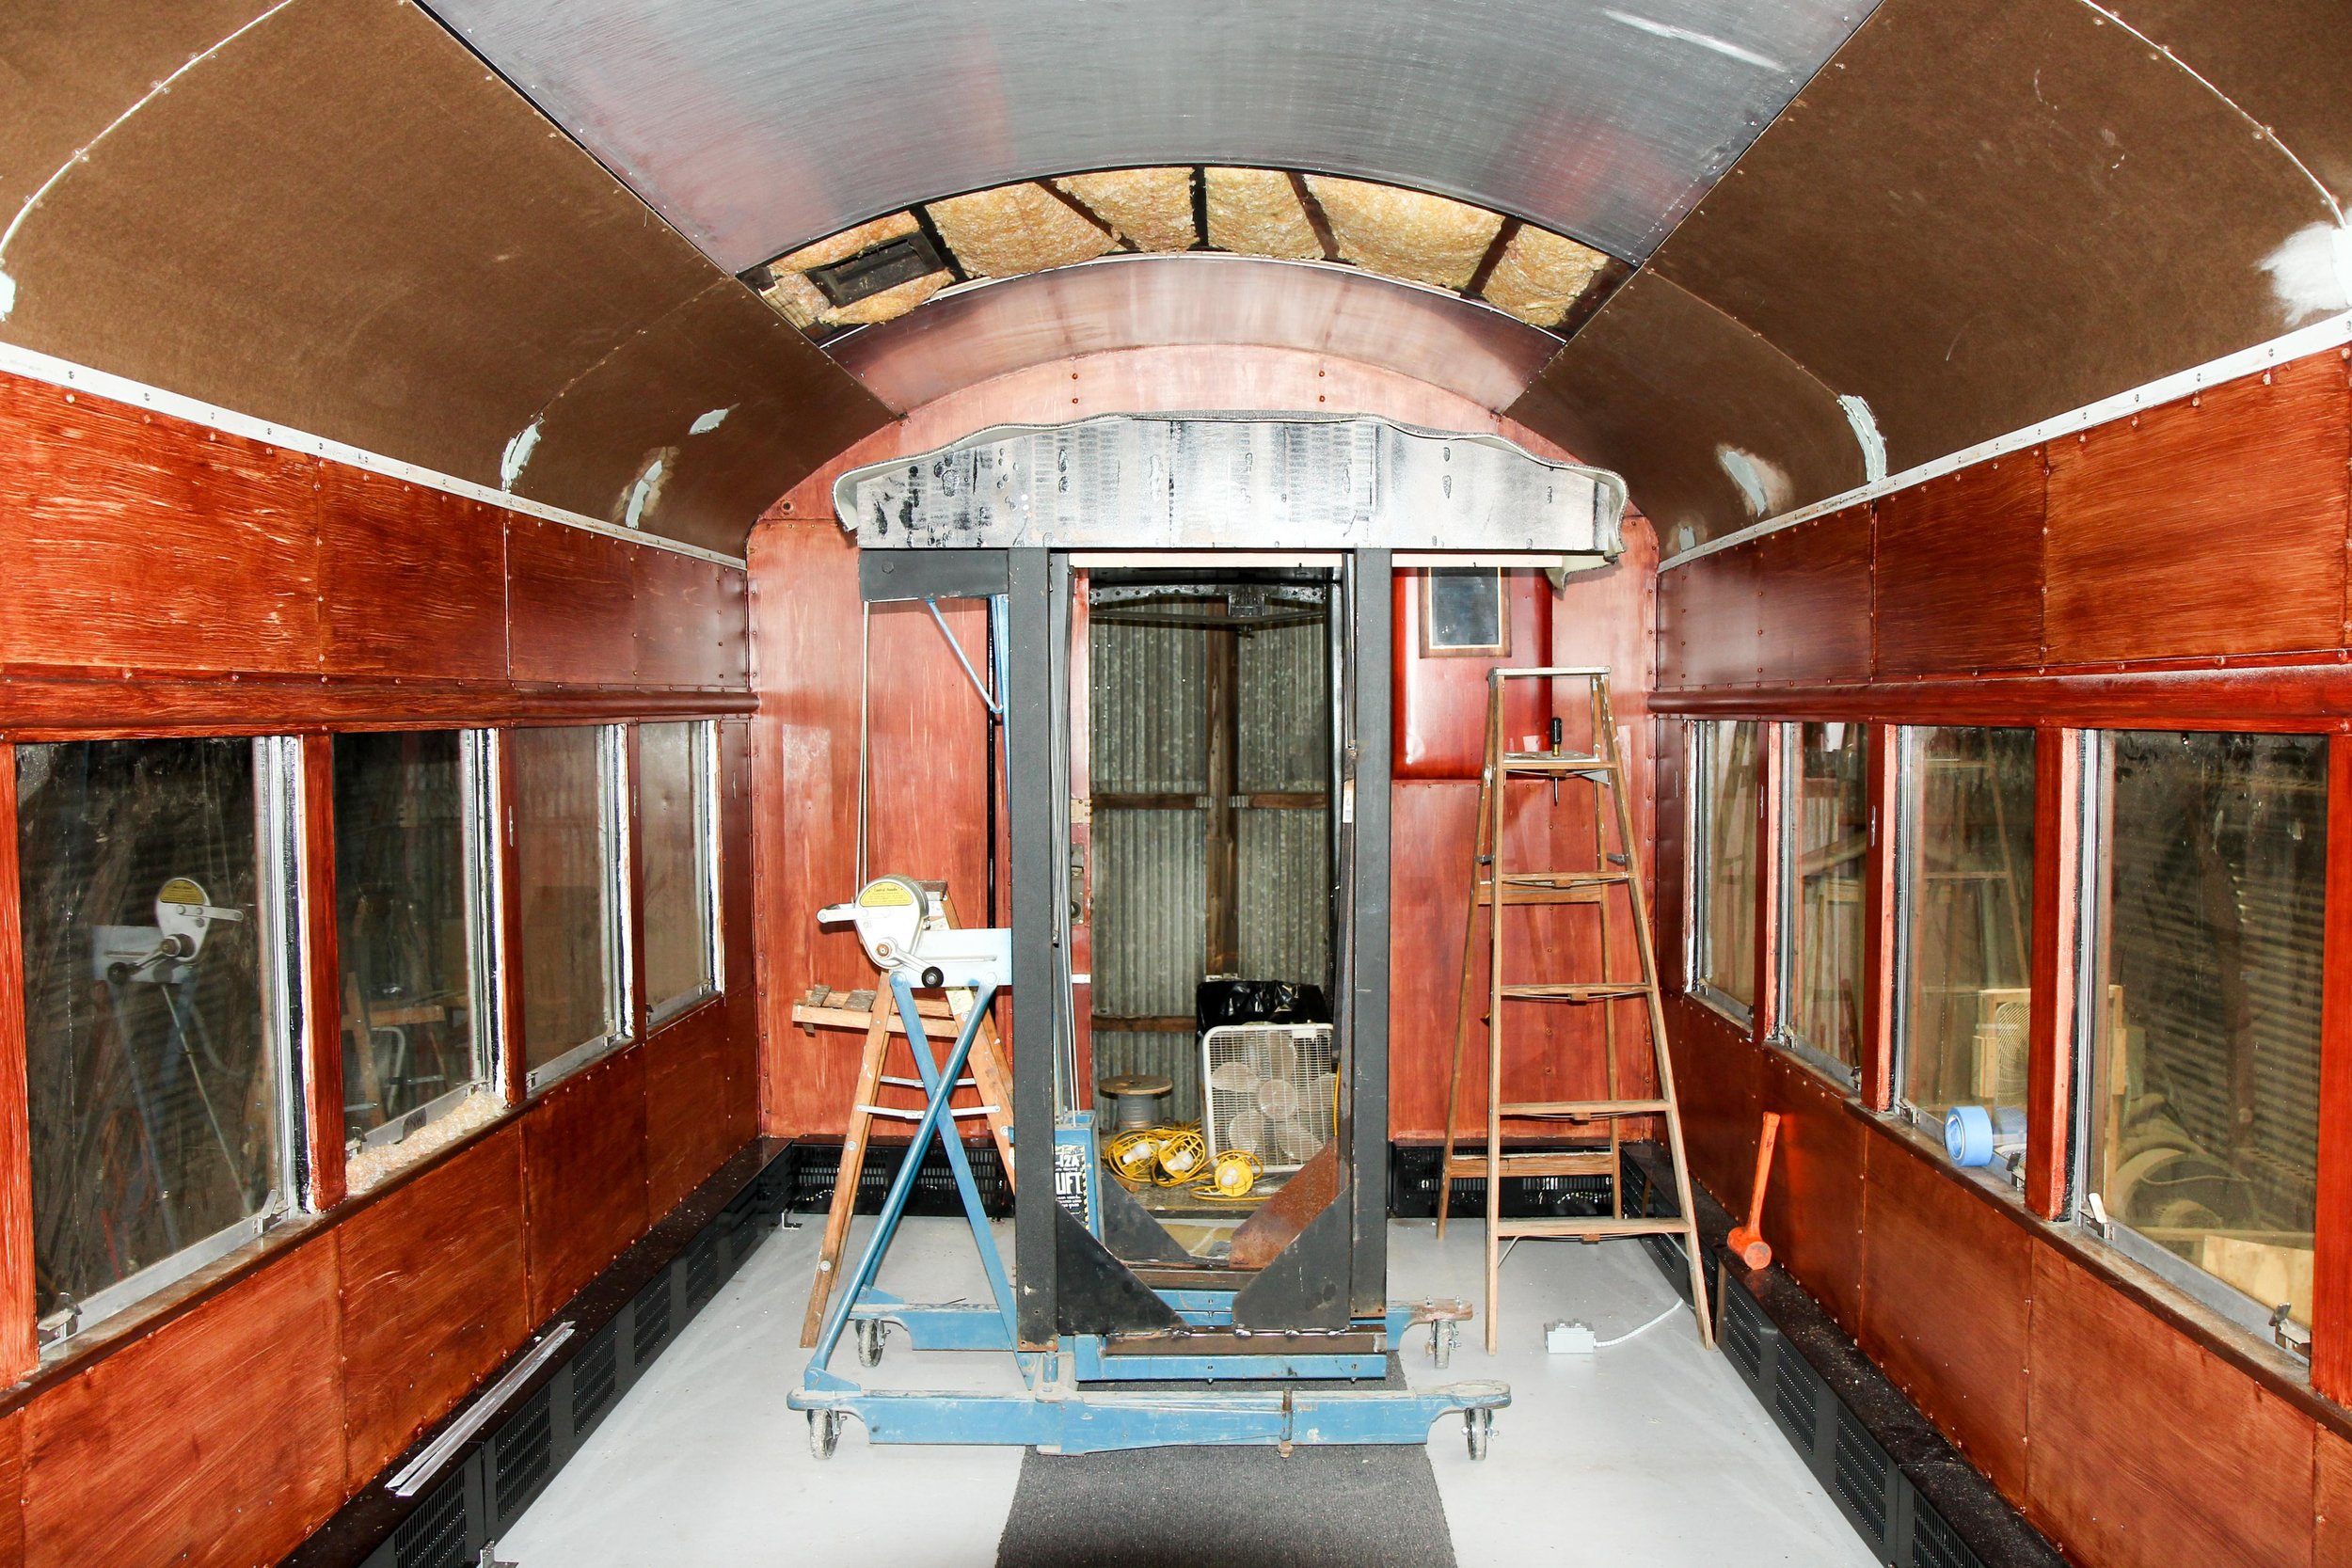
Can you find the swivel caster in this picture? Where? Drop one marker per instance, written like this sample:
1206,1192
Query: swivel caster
870,1334
1478,1426
1443,1333
824,1433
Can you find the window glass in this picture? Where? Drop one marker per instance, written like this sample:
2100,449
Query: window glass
567,864
2204,1122
1727,774
674,802
1829,818
151,1060
407,922
1968,943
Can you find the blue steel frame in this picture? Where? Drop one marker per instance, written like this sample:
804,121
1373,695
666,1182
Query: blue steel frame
1057,1413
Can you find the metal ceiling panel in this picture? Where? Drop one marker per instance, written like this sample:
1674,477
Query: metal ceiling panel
1120,302
755,128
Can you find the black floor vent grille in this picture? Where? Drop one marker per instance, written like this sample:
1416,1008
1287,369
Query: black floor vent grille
596,1380
1861,1474
702,1272
521,1456
1795,1401
1744,1336
649,1324
1934,1545
434,1535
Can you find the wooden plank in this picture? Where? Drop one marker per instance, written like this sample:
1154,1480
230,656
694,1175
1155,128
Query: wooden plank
322,1043
1817,1187
571,605
12,1487
1816,612
2127,1417
139,541
1772,851
2051,1047
2266,694
2331,1282
1947,1290
18,1292
514,1061
434,1293
216,1441
412,580
632,809
584,1176
1959,569
2165,540
2332,1500
1880,910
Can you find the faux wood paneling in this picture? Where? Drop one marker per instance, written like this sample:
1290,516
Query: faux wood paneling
12,1487
216,1440
740,935
571,605
2211,525
1815,622
584,1177
1438,712
2148,1451
689,622
2331,1501
433,1296
1711,620
1814,1216
1959,560
687,1134
1719,1083
413,581
1946,1293
134,541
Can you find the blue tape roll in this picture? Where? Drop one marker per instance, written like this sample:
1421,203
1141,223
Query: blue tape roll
1968,1136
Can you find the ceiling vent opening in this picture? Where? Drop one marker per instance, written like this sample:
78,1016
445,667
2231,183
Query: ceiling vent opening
899,259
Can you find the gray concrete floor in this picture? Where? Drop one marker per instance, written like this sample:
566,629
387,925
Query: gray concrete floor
1650,1452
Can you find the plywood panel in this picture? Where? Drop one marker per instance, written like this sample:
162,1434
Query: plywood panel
216,1440
1813,1217
413,581
1958,557
135,541
1816,611
691,626
1946,1288
1709,621
738,934
584,1177
433,1296
687,1111
2211,525
1719,1083
12,1487
2149,1452
571,604
1441,700
2331,1501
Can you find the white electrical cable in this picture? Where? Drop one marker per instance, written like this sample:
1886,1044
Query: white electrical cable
1637,1333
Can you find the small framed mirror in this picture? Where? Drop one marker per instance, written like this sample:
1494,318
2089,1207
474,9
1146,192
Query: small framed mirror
1463,610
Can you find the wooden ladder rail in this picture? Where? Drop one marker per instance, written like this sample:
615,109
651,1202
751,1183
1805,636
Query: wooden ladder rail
1493,886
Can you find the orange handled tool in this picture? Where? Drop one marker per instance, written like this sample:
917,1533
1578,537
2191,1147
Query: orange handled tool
1746,1242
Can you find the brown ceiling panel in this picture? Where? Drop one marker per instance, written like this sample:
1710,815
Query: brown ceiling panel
714,390
2285,62
1712,427
1987,212
341,221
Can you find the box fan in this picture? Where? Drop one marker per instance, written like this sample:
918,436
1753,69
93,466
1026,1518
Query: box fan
1271,1091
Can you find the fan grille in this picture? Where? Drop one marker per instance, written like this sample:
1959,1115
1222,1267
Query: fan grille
1270,1089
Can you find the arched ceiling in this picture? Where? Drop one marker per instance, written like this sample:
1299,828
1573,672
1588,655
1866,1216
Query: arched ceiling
1901,234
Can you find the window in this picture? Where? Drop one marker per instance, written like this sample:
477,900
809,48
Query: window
1725,766
570,854
1829,827
411,935
1464,610
675,770
155,875
1967,938
2202,1116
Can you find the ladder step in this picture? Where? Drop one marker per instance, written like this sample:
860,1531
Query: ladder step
1586,1109
1541,763
1554,1162
1580,991
1599,1225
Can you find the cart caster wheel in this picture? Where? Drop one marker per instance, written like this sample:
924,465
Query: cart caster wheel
870,1334
1441,1337
824,1433
1478,1426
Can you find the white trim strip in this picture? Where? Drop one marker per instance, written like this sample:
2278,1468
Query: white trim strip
82,378
2334,332
460,1432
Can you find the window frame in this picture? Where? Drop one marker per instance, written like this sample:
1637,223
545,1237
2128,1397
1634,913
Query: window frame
616,837
280,948
481,868
1786,876
1432,648
1700,738
703,751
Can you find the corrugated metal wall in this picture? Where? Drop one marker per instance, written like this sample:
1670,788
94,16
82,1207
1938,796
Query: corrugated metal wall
1150,735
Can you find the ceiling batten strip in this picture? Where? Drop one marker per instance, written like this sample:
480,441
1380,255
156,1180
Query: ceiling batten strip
47,368
2334,332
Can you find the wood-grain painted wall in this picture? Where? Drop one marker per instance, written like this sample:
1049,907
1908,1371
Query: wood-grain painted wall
2183,567
166,579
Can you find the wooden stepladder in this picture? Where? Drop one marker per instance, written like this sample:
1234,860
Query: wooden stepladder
872,1010
1612,887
